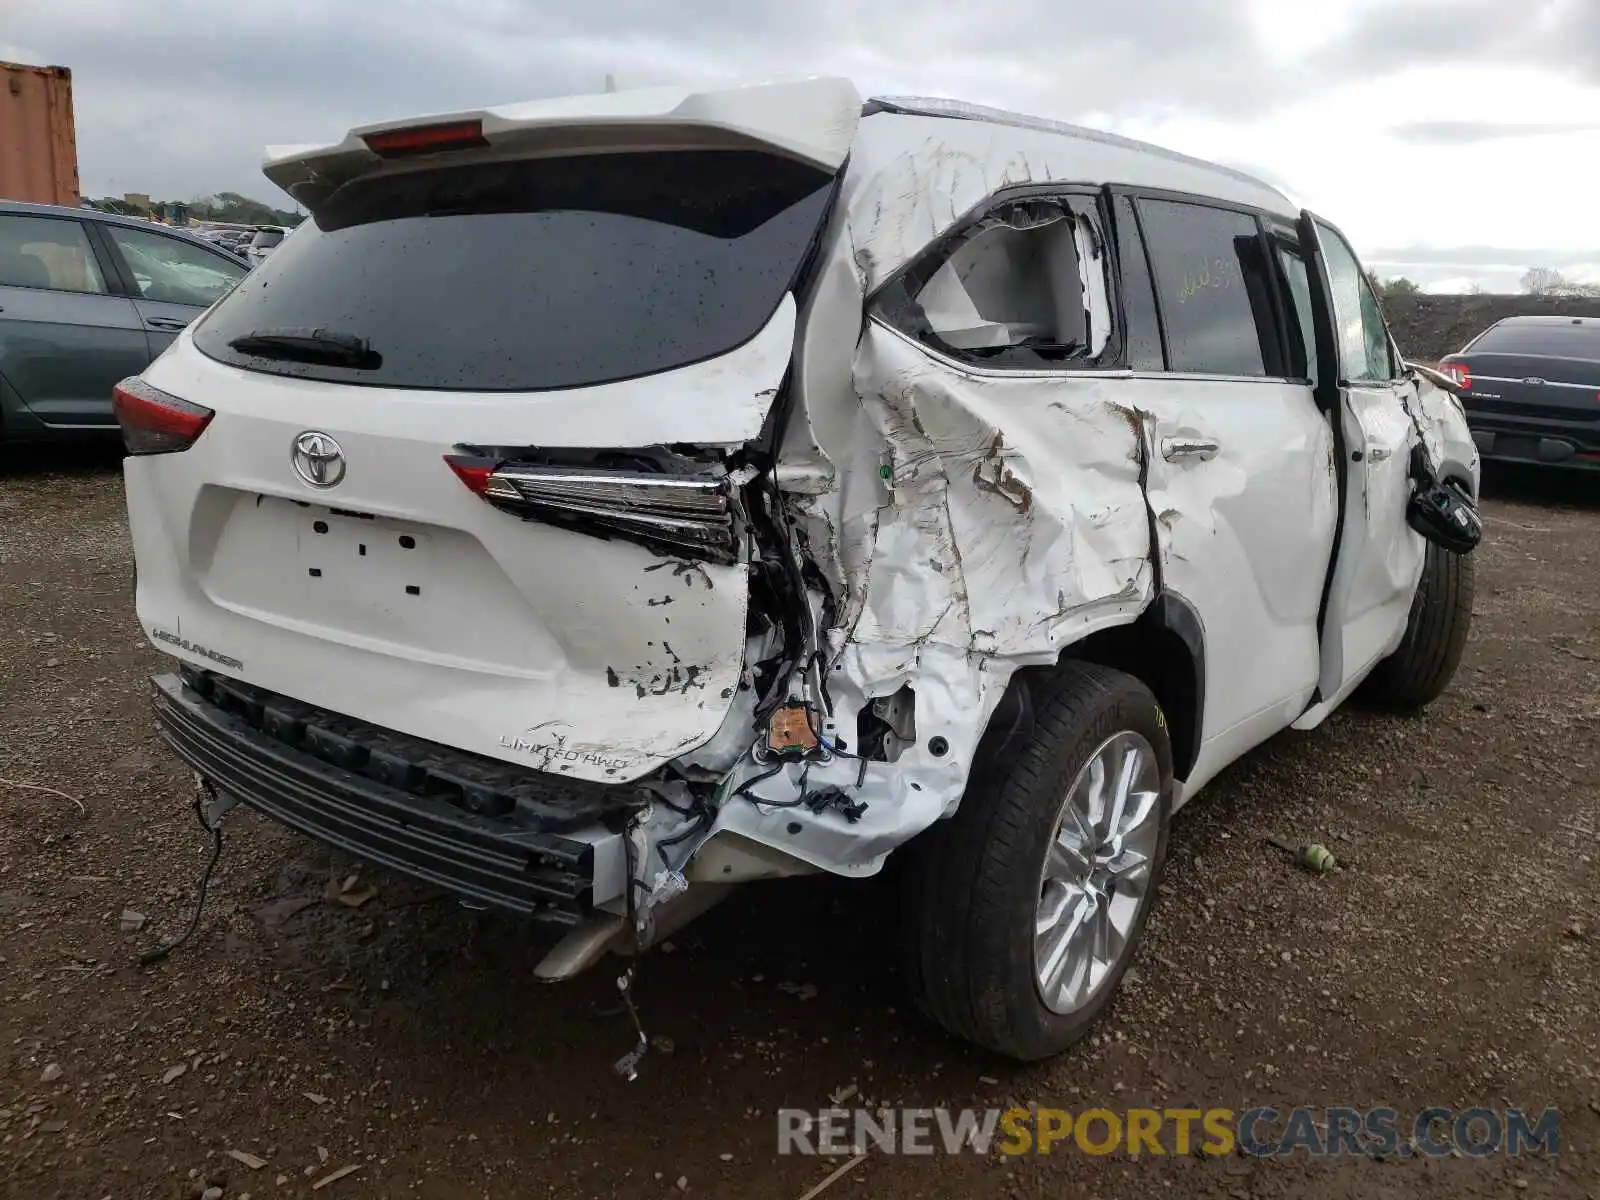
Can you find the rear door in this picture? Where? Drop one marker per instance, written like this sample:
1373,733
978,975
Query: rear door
172,279
1379,556
65,338
1239,480
593,338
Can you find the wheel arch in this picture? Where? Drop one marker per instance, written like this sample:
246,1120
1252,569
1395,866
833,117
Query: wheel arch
1163,648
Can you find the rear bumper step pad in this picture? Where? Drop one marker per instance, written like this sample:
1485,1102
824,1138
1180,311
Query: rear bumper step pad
484,831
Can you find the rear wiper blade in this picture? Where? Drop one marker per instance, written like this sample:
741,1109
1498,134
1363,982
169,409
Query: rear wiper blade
310,346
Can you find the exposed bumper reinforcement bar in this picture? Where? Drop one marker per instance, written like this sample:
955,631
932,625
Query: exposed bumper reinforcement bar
511,860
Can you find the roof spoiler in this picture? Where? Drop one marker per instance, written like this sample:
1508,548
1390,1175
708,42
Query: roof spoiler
812,120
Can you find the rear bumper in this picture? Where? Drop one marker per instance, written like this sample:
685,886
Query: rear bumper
482,830
1542,447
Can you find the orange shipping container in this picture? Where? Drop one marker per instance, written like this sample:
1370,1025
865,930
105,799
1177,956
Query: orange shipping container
38,140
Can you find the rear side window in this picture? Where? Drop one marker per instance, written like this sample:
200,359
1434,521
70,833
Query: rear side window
47,252
1024,286
1214,286
538,274
1548,341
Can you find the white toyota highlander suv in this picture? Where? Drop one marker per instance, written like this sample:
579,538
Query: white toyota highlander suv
602,502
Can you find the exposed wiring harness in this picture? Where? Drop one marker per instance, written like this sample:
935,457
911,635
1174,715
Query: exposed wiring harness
704,816
213,826
628,1065
742,792
824,798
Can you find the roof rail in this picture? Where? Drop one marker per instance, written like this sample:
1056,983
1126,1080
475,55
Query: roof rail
934,106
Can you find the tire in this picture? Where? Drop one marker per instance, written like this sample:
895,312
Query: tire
975,885
1420,669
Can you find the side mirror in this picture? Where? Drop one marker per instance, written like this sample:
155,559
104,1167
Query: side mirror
1440,510
1446,516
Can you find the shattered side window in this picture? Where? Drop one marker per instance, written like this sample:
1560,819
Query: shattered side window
1023,287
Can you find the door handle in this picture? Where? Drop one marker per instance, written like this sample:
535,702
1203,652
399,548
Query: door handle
1201,448
167,323
1378,453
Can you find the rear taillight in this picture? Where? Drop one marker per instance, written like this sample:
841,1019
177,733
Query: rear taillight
474,472
691,513
156,422
1460,372
426,139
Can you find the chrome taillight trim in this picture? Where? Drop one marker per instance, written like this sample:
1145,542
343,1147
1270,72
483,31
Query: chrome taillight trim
690,497
689,512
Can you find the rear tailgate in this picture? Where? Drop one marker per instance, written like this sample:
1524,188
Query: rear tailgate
400,598
575,315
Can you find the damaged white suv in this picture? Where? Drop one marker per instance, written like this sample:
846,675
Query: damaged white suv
602,502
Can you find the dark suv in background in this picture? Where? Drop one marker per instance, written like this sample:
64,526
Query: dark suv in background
1532,390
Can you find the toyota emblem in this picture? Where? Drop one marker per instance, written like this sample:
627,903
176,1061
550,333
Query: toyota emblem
317,459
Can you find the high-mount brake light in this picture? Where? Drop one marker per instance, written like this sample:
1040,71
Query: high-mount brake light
426,139
156,422
687,513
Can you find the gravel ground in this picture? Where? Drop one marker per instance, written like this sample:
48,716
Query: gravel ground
1453,962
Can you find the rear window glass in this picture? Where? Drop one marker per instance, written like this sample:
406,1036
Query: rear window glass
1551,341
537,274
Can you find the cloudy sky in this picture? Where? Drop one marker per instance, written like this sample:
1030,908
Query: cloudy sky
1456,141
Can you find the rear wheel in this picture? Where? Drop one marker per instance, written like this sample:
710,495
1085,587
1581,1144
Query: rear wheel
1024,908
1418,672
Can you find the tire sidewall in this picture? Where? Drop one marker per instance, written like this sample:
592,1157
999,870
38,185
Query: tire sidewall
1128,706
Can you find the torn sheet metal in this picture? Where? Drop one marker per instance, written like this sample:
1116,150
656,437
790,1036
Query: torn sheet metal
1008,521
912,177
978,522
1015,520
968,522
1445,433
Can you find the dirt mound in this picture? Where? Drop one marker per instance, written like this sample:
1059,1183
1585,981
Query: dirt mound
1430,327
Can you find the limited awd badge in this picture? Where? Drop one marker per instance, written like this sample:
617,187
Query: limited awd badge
317,459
